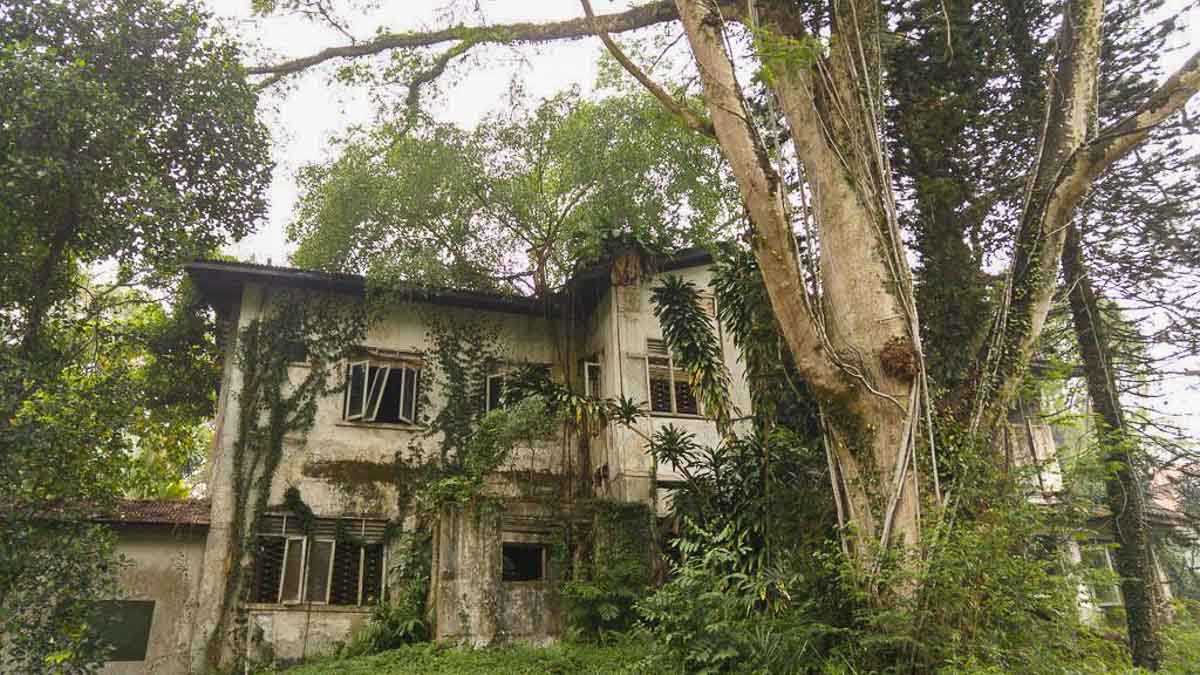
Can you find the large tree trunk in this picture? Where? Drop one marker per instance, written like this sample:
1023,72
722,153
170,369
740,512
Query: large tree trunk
858,351
1126,499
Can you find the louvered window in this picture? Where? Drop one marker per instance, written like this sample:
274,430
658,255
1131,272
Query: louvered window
340,562
667,384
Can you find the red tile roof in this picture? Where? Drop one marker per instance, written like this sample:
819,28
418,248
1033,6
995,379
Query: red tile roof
160,512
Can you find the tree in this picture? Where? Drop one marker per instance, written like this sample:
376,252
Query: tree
516,204
128,141
853,331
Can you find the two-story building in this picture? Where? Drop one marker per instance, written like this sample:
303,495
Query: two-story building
494,577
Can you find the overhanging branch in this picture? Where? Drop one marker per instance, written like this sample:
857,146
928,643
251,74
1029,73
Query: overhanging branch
571,29
690,119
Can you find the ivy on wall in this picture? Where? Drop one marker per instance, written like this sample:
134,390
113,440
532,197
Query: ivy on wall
272,404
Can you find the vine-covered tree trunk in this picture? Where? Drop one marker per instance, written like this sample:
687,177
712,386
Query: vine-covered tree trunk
1126,499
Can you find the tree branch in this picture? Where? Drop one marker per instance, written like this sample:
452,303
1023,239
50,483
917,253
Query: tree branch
762,192
1049,206
690,119
571,29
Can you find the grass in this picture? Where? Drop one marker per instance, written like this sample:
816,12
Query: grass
620,657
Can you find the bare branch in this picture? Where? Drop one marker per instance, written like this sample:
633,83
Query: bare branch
690,119
571,29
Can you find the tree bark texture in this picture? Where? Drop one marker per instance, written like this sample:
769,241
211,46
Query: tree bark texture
869,409
1126,499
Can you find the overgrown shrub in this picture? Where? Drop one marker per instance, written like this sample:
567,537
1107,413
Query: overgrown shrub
393,623
600,601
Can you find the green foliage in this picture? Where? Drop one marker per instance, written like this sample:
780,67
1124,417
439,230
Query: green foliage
600,600
427,659
692,337
711,618
515,204
128,137
392,624
53,573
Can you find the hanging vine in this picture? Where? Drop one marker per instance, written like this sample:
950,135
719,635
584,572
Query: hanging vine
271,405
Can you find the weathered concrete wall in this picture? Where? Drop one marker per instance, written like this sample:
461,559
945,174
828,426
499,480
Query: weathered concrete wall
474,605
290,634
631,322
166,565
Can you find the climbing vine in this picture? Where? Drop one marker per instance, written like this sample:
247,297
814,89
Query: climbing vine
273,403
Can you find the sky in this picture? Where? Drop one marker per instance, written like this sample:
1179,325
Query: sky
311,109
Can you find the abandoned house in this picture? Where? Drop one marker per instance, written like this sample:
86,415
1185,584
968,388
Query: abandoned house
495,575
196,597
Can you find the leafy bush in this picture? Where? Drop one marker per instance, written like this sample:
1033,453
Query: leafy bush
601,600
393,624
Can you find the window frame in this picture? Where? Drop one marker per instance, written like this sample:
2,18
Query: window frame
328,570
369,414
673,373
588,383
302,584
359,527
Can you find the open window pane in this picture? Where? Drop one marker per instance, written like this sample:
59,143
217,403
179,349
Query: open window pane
410,395
1097,558
591,380
356,390
495,392
320,557
379,376
293,565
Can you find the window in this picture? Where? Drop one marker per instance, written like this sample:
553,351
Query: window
125,625
524,562
591,379
525,377
494,400
667,384
382,392
1098,558
339,563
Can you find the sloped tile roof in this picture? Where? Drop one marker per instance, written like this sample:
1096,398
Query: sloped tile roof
160,512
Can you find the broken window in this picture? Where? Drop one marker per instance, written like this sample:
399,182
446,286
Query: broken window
322,568
523,562
1098,558
667,383
382,392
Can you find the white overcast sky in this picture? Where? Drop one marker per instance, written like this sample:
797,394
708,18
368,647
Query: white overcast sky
312,110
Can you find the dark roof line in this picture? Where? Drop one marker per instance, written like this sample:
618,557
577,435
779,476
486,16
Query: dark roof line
215,276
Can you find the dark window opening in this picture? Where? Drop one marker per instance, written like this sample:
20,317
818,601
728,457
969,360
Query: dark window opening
344,590
319,568
382,393
268,568
125,625
524,562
